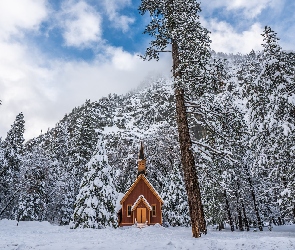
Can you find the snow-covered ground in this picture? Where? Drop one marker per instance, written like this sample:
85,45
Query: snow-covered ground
42,235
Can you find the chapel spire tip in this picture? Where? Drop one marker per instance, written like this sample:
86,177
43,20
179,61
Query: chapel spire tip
141,161
141,152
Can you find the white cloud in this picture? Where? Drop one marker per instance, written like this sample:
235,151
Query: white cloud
45,94
81,24
119,21
16,15
122,60
250,8
118,73
226,39
18,75
23,83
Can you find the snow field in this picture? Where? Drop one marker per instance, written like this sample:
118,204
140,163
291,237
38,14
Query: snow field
43,235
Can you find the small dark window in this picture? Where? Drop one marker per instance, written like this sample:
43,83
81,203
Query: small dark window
128,210
153,210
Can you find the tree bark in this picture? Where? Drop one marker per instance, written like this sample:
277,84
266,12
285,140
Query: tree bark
240,219
246,223
255,205
232,228
187,158
241,201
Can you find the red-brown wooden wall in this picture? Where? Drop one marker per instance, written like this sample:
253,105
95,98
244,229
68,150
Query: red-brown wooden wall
141,188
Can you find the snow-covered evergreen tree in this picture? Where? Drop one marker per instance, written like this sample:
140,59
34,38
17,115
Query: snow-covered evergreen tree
2,177
271,122
175,210
32,197
10,175
95,203
175,25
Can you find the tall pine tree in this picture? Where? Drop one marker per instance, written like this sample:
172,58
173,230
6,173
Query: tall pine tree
95,203
10,172
175,24
271,122
175,210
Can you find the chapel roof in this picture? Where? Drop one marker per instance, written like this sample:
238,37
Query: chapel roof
142,177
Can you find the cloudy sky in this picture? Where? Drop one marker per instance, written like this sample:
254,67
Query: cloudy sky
55,54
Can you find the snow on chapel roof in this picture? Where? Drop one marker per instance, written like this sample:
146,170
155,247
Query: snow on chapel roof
147,183
139,199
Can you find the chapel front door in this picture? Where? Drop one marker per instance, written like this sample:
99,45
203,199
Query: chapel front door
141,215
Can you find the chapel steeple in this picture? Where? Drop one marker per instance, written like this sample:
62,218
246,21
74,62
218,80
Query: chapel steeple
141,161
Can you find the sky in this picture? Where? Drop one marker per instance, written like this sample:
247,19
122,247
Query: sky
55,54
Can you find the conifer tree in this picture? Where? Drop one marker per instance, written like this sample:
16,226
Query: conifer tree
66,173
176,23
85,143
1,154
32,198
3,187
13,156
271,122
95,203
175,210
60,195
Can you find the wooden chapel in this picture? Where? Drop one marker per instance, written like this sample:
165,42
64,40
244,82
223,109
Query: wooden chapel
141,204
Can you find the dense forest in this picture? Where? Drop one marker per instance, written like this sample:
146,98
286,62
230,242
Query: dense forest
242,128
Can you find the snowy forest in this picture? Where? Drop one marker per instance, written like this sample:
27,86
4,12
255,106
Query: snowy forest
242,126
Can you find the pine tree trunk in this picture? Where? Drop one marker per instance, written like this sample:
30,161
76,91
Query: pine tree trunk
246,223
187,158
255,205
232,228
241,201
240,219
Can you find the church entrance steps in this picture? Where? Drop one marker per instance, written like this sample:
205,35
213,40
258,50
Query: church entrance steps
141,225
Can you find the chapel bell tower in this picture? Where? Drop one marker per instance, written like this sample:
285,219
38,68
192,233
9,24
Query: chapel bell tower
141,161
